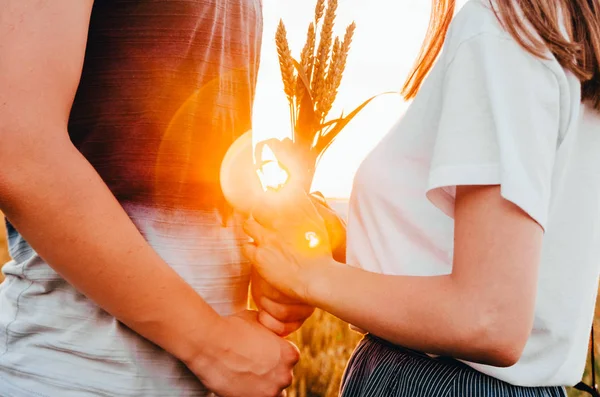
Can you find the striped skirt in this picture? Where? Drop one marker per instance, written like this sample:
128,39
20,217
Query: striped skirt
380,369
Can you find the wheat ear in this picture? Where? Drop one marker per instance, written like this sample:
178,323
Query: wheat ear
323,51
325,104
336,70
307,58
319,10
286,65
285,60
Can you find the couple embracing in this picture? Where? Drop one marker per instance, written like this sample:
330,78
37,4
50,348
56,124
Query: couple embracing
472,244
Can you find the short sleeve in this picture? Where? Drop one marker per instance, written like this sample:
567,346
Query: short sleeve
499,125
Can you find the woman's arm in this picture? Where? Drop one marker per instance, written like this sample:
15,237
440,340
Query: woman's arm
64,210
482,312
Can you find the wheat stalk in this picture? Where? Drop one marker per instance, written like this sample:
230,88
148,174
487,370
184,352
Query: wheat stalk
326,344
323,51
286,65
319,10
307,59
336,70
285,60
324,105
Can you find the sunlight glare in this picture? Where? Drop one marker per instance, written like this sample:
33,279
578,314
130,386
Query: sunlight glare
313,239
270,174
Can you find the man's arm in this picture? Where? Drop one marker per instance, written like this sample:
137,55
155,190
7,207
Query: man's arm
55,198
62,207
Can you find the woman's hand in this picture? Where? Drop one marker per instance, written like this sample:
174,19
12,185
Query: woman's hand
278,312
290,241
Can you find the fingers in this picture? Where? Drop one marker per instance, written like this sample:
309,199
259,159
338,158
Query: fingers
261,289
265,212
290,202
250,252
278,312
298,201
255,231
291,356
292,352
290,205
286,313
318,197
325,211
336,229
277,327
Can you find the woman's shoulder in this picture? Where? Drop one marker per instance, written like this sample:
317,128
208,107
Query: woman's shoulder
477,28
475,18
478,21
479,45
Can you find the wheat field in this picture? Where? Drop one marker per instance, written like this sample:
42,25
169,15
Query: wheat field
326,344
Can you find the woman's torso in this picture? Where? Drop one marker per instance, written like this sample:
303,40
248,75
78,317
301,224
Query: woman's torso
395,229
165,88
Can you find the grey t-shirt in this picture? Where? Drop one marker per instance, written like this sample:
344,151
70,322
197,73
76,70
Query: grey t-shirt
166,87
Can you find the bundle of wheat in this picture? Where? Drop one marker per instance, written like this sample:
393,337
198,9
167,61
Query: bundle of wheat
312,83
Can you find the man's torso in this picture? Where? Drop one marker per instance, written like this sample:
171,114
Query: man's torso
166,87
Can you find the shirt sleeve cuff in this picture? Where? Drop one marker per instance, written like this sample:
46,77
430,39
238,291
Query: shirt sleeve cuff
443,181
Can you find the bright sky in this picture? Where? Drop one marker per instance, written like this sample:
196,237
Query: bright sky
386,42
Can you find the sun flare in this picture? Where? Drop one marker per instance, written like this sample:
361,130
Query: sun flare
313,239
271,175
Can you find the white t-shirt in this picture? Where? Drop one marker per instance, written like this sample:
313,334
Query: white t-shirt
490,113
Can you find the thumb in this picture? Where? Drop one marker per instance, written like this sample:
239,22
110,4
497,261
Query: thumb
293,354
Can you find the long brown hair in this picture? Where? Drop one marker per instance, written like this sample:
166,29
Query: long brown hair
580,53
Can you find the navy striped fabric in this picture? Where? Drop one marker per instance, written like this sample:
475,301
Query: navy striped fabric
380,369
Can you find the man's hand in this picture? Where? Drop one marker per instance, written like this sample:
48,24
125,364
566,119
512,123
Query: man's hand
281,314
248,360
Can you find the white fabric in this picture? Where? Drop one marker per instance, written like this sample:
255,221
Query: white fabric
490,113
